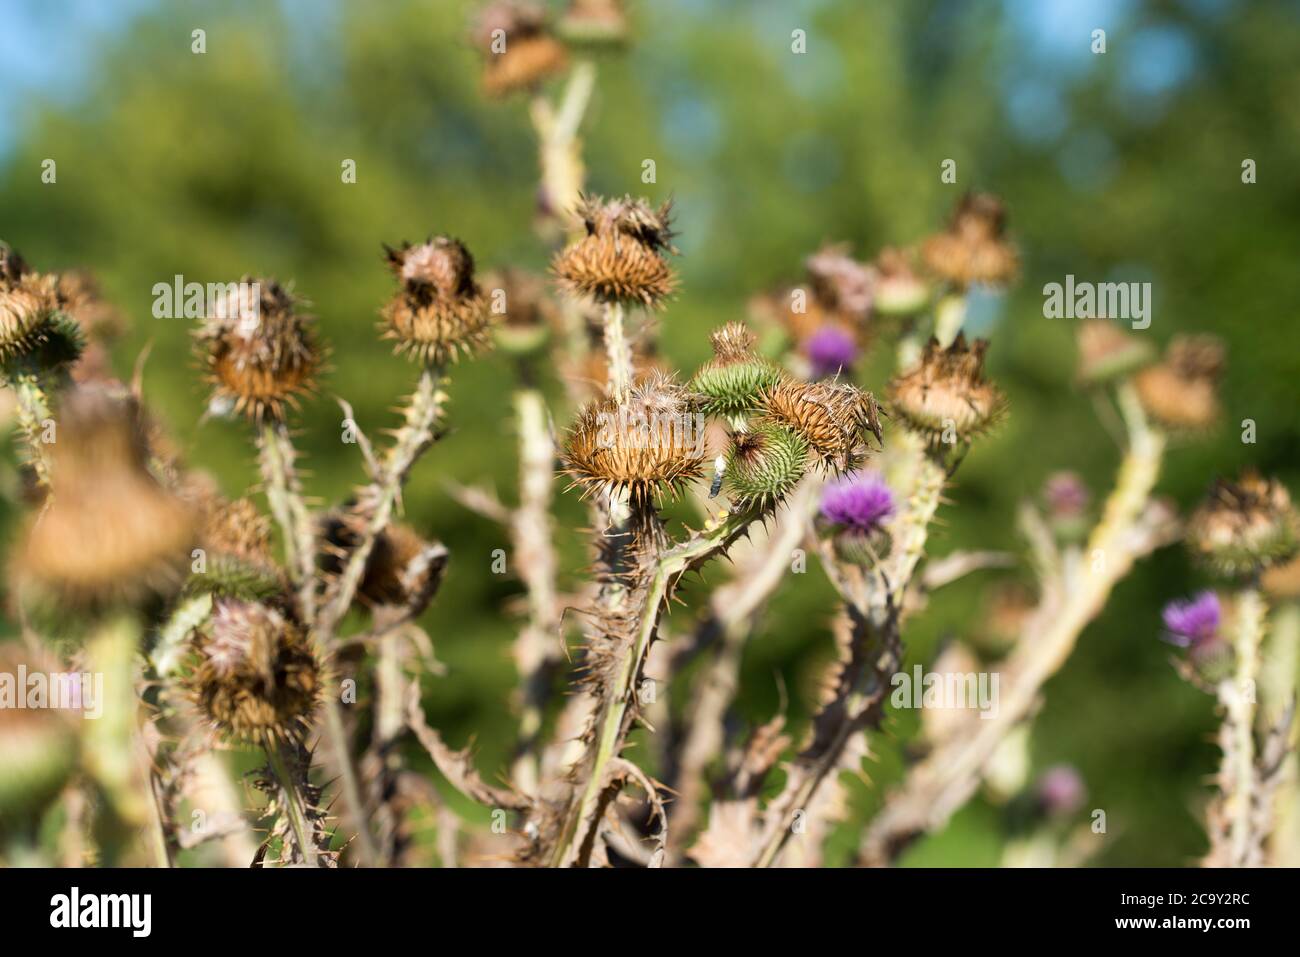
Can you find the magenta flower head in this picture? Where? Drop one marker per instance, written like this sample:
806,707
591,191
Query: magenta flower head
1191,624
830,349
859,502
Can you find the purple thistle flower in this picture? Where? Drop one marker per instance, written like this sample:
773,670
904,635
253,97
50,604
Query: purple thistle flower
1061,790
861,502
830,349
1190,624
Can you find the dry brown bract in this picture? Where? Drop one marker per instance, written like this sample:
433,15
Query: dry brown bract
621,259
439,313
1107,352
834,418
518,49
1244,526
1181,393
645,447
110,534
973,249
945,398
261,353
257,679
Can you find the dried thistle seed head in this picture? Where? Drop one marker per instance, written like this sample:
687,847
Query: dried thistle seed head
12,265
973,249
1243,527
527,313
834,418
840,282
237,559
899,291
594,22
765,464
256,678
110,535
518,49
945,399
732,383
27,306
79,296
1181,392
621,257
440,312
260,351
1107,352
644,447
403,571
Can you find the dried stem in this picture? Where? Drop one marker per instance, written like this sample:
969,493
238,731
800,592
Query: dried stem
618,352
1129,529
285,496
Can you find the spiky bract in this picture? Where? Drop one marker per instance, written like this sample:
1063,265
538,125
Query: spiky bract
944,399
644,447
1181,392
834,418
733,382
440,313
257,678
1245,526
261,352
765,464
973,248
621,257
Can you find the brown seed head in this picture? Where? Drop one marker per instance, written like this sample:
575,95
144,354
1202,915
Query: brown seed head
840,282
899,290
1245,526
518,49
440,312
1181,392
644,447
260,351
945,396
834,418
1107,352
257,679
403,571
973,249
110,534
621,257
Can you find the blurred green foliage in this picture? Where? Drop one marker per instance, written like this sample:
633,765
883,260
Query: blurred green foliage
216,165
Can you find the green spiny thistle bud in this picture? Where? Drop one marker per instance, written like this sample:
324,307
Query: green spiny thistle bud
764,465
732,382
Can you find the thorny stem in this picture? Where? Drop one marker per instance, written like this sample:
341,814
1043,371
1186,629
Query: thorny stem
579,832
285,496
949,775
537,648
1237,695
33,411
416,434
1281,671
293,802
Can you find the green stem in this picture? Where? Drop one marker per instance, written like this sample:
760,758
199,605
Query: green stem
294,805
33,411
285,496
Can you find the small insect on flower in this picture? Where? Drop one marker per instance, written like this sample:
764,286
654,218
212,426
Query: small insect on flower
732,383
260,350
621,257
647,446
256,679
1181,392
944,399
440,312
1107,352
518,48
110,535
1244,527
973,249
